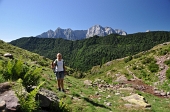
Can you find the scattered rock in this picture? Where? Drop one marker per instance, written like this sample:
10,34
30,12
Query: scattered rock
121,79
2,105
109,74
76,98
11,100
108,63
108,96
97,93
88,82
137,99
8,55
108,103
163,93
157,92
5,86
8,97
127,89
117,93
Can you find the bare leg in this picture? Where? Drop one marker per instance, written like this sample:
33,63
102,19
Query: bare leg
62,84
59,83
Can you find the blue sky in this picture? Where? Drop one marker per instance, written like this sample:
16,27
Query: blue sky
24,18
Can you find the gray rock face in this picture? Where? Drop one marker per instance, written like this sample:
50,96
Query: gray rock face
8,98
47,99
9,102
103,31
136,99
70,34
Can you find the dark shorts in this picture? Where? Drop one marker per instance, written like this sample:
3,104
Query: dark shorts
59,75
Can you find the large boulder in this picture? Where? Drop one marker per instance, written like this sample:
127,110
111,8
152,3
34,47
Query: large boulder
88,82
9,102
2,105
138,100
5,86
121,79
8,97
47,99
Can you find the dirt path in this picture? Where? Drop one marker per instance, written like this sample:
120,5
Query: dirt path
163,67
139,85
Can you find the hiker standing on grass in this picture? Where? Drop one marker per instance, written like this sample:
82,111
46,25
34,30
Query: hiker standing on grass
59,71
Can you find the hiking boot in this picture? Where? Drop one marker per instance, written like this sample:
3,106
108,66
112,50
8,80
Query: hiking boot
59,89
63,90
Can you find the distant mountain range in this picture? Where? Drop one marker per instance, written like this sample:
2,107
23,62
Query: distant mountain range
86,53
70,34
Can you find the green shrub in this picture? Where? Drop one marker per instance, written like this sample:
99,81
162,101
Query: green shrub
78,74
32,77
129,58
168,74
147,60
27,100
137,56
19,70
163,52
34,57
167,62
43,63
2,79
143,74
134,67
16,69
8,70
63,107
153,67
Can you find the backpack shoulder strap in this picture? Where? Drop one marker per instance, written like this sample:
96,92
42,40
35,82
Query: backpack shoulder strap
55,62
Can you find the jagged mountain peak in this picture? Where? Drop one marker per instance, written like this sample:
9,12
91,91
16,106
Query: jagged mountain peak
80,34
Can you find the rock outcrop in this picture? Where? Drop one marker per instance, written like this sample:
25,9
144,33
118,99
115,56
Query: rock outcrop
9,102
8,99
137,100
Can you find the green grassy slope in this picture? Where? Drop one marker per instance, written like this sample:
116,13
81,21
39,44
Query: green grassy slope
82,98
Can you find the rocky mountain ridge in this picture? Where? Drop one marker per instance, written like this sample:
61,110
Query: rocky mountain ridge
70,34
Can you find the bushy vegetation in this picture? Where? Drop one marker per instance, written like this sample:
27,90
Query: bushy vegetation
84,54
129,58
26,70
153,67
148,60
168,74
15,69
167,62
27,100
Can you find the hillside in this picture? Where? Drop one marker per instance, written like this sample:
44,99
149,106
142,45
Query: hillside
93,51
105,88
